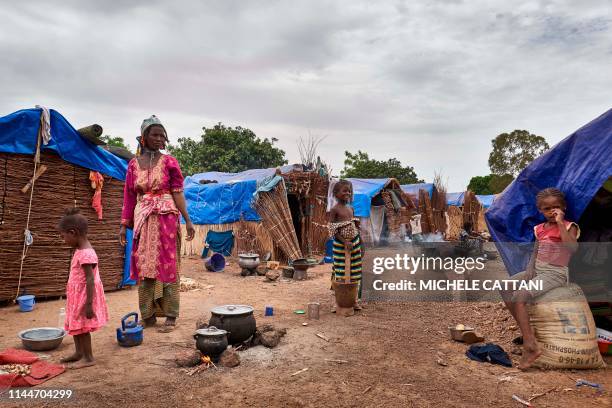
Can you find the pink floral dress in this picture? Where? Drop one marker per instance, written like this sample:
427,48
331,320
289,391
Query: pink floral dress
76,295
149,208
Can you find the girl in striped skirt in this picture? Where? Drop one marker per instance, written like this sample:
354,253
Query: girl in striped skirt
344,229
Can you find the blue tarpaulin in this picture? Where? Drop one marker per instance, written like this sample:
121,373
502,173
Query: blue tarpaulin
19,131
485,200
413,190
578,166
363,192
225,201
455,199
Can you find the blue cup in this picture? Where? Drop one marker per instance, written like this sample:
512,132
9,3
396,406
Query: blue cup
269,311
26,303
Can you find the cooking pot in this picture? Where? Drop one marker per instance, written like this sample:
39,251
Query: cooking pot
211,342
237,320
248,261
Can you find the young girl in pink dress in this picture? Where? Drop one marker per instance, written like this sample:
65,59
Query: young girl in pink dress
86,309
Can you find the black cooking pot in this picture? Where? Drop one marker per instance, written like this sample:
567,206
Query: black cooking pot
237,320
211,342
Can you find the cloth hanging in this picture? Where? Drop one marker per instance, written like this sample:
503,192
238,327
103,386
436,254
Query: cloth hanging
97,181
331,199
45,124
220,242
377,218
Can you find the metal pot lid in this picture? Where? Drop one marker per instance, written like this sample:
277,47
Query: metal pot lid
232,310
211,331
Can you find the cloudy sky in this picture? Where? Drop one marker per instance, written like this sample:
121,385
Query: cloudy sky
428,82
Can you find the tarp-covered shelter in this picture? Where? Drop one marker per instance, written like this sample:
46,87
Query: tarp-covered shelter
65,167
221,202
382,208
578,165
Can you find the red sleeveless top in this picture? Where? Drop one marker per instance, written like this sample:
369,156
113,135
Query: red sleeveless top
551,249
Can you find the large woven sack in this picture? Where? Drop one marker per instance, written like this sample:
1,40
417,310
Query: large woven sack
565,330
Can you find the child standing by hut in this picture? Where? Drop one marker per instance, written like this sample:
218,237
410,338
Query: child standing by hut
86,309
556,240
344,229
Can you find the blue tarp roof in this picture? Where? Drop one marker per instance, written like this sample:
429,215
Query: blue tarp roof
363,192
18,134
413,190
228,199
578,166
485,200
455,199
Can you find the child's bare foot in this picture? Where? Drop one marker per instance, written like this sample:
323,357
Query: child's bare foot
150,321
357,306
530,355
333,309
82,364
72,358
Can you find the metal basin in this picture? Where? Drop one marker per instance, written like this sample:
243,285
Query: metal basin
42,338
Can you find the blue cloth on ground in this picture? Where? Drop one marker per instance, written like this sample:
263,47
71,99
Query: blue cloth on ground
490,352
220,242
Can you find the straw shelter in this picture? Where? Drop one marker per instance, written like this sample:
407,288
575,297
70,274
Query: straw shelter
32,206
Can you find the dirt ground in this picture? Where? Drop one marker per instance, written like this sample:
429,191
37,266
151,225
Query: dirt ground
391,352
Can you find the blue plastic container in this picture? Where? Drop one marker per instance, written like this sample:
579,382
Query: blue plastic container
215,263
269,311
26,302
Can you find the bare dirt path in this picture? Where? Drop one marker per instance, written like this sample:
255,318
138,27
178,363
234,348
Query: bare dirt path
392,352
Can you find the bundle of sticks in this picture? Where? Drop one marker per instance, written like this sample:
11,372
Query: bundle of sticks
471,209
427,219
47,261
273,208
438,204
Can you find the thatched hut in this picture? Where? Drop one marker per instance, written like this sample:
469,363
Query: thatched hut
64,167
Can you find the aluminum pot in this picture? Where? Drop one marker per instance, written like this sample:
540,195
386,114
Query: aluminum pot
237,320
211,342
248,261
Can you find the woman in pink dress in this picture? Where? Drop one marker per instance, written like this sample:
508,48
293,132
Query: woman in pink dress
152,202
86,309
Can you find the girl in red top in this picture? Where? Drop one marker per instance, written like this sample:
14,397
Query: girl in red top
556,241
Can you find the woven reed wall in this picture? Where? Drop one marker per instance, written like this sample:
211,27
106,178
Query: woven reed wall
262,245
47,263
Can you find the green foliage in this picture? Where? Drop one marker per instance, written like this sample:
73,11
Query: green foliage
114,141
512,152
480,185
499,182
227,149
491,184
359,165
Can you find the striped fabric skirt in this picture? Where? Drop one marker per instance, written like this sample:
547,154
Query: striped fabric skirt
340,261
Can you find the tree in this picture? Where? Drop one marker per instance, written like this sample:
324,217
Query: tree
499,182
512,152
359,165
480,185
491,184
227,149
114,141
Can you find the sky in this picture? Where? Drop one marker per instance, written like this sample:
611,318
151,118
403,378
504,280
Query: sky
430,83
